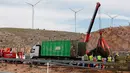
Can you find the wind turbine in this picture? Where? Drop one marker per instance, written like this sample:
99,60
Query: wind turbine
75,15
33,5
129,23
112,18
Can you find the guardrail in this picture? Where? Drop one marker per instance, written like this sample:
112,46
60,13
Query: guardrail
73,63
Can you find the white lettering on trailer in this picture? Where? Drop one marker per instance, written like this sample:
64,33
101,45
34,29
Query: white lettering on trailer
57,48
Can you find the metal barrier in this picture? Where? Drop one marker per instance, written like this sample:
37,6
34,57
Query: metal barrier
70,63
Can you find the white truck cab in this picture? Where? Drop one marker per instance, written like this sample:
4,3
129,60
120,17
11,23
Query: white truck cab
34,52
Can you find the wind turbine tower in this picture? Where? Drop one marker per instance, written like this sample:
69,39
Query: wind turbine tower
33,5
112,18
129,23
75,15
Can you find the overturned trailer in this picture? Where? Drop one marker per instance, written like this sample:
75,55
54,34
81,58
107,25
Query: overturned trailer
102,48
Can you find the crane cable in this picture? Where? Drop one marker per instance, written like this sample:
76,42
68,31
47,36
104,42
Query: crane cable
100,27
99,15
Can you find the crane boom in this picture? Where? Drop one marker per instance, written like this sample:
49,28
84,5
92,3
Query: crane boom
91,23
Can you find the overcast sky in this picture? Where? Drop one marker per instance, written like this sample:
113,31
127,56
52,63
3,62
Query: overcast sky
56,15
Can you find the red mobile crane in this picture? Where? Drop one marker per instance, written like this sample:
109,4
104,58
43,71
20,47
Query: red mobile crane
91,23
102,46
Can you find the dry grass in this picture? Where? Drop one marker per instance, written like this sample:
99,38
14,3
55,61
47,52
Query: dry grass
118,38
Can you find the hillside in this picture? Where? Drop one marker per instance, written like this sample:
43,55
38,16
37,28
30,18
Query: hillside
21,38
118,38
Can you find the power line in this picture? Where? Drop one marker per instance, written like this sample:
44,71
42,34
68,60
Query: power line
75,15
33,5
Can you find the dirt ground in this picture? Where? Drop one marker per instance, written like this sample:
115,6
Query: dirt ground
22,68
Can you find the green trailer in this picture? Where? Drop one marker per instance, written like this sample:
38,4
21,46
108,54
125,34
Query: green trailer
59,48
55,48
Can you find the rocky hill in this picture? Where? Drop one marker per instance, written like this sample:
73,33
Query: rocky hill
118,38
20,38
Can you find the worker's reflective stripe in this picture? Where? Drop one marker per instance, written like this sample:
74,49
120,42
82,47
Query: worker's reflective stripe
109,59
99,58
85,57
91,58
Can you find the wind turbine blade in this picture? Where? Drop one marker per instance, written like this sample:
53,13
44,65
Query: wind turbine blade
71,9
108,15
80,10
115,16
29,4
38,2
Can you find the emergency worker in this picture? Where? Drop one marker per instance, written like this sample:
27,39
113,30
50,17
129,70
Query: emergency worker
99,58
91,57
94,59
109,59
116,57
85,57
